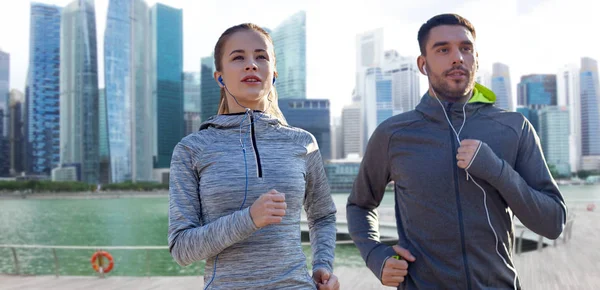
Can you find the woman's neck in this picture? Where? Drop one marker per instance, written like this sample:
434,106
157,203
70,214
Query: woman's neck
234,107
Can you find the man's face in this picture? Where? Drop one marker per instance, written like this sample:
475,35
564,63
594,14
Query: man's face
451,60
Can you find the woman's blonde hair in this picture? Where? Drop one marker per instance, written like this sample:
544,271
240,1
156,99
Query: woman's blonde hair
273,108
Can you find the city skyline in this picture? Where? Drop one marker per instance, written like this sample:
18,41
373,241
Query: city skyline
516,34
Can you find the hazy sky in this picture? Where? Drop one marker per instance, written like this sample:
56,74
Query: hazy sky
531,36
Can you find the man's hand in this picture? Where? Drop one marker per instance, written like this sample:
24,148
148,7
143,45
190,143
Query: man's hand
394,270
466,152
325,280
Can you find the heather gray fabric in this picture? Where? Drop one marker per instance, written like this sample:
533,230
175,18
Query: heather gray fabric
440,215
207,185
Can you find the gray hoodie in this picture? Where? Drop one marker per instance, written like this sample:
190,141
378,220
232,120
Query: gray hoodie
207,189
440,214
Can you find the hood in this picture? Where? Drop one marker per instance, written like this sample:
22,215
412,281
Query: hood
431,108
481,94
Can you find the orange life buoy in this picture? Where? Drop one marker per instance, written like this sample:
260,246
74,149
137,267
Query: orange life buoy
98,267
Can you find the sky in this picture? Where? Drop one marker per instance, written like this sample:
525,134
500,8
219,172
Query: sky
530,36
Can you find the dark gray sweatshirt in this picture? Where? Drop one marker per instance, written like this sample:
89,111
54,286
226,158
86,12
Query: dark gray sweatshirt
440,215
207,188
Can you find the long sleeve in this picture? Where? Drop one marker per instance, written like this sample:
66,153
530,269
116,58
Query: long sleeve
191,240
367,193
529,189
320,211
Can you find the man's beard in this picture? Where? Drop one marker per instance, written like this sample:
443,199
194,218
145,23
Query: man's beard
444,90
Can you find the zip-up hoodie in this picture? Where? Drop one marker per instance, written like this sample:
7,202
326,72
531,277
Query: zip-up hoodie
207,189
440,215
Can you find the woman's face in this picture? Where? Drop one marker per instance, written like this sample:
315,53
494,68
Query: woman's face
248,67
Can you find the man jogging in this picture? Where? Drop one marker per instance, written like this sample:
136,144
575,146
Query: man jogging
462,169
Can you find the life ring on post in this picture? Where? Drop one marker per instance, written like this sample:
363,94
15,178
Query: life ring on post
97,262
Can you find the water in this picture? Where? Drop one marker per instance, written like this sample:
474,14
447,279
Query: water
99,222
128,222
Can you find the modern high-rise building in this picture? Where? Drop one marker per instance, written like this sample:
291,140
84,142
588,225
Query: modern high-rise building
313,116
567,86
555,127
167,59
42,92
191,92
192,101
385,103
404,75
79,118
290,51
337,138
104,148
16,134
484,77
369,49
525,111
210,92
4,113
128,91
501,86
377,102
537,92
352,130
369,54
590,114
4,91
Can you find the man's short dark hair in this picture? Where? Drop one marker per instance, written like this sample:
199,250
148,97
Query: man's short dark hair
438,20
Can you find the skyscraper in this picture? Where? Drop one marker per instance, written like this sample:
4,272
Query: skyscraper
313,116
590,114
377,102
4,89
16,136
404,76
537,92
290,52
337,138
167,58
555,127
352,130
501,85
192,101
129,99
79,91
369,54
567,85
104,152
210,92
484,77
4,113
385,107
42,92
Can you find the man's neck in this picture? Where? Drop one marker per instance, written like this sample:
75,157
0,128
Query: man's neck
450,99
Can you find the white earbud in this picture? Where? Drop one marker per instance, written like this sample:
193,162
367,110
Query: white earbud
424,70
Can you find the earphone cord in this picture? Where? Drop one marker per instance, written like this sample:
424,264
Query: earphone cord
457,134
243,145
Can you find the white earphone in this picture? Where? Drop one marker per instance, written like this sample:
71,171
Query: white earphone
424,70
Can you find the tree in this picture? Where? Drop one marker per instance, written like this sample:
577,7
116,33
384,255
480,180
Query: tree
583,174
554,171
